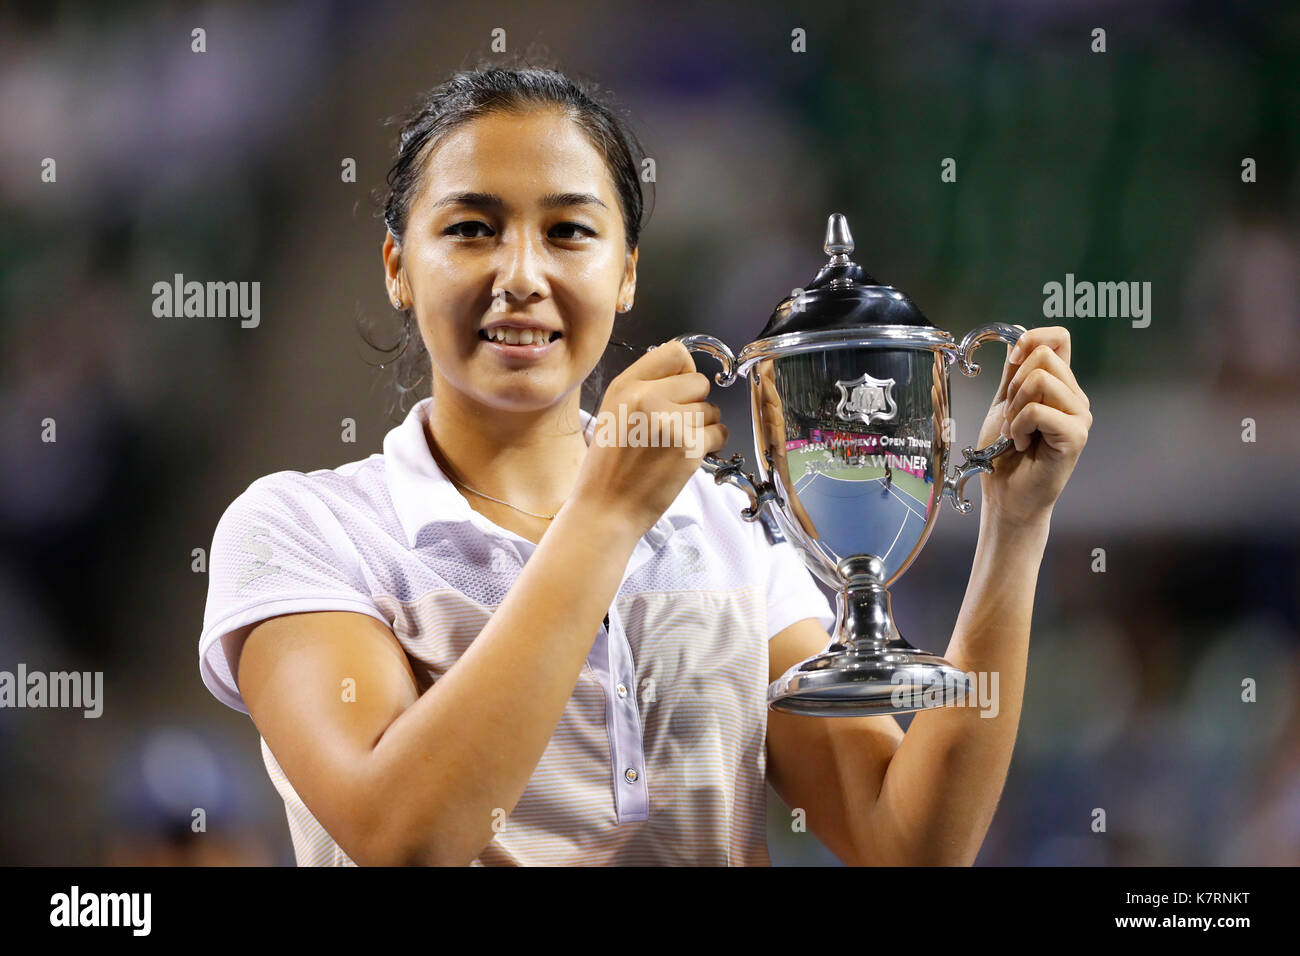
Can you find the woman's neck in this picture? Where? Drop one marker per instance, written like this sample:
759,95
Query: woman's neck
530,459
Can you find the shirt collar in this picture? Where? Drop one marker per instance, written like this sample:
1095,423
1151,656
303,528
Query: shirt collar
422,494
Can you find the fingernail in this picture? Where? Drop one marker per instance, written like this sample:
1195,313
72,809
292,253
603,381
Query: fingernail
1015,353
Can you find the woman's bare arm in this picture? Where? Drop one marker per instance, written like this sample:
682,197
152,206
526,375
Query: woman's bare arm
400,778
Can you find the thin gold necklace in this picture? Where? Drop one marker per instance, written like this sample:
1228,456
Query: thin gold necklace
497,500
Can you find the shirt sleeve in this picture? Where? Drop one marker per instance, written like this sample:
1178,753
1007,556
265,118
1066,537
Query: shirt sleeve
276,550
792,591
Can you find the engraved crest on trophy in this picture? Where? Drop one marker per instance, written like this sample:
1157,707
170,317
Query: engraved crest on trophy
867,399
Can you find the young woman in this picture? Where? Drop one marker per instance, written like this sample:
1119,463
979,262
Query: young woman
503,642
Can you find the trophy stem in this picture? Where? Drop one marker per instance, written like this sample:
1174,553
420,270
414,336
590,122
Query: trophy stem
868,668
865,620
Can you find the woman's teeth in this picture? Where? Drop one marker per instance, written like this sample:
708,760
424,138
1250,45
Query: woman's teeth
518,336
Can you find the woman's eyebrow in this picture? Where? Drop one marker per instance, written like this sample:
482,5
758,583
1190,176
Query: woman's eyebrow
493,201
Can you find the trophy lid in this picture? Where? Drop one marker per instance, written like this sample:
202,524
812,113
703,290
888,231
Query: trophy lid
842,295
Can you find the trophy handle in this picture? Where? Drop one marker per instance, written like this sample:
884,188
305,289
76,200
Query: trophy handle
730,471
977,461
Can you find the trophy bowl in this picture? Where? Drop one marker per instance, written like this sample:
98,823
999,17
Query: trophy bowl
849,387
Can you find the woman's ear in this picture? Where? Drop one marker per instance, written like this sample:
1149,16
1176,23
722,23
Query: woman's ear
627,289
392,256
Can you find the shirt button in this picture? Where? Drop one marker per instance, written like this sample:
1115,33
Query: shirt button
622,689
630,775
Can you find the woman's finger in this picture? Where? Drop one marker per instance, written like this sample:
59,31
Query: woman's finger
1047,359
1062,431
1055,337
1040,385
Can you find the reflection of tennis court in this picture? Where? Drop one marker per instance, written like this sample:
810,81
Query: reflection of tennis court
800,460
860,514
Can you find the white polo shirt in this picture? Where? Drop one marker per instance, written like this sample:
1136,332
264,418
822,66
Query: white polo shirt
659,757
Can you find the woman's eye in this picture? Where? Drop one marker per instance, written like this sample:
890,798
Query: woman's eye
569,226
453,230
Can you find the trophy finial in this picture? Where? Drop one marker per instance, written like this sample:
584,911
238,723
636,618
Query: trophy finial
839,241
842,295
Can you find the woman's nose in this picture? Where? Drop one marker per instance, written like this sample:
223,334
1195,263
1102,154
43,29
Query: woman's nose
519,271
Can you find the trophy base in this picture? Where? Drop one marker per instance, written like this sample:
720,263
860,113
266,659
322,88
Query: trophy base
851,683
868,669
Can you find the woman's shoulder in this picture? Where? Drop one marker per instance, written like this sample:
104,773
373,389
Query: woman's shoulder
352,485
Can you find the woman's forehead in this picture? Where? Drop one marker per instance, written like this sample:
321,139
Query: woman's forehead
519,157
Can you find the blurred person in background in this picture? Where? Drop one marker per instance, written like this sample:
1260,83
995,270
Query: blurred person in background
177,797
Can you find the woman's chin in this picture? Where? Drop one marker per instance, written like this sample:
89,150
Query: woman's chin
534,393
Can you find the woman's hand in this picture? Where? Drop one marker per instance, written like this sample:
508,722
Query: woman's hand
1041,407
636,476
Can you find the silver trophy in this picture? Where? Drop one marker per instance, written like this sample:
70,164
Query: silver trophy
849,396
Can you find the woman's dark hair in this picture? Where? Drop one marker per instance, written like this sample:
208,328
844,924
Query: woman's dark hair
524,84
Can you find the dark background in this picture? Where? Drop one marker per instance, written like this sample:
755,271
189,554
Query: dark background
1115,166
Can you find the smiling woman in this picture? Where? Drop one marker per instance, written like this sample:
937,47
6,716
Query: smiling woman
508,95
501,641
